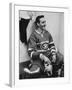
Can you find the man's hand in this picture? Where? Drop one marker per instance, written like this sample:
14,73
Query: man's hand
46,59
54,58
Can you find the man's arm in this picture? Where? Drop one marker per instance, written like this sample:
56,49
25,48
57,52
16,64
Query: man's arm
32,47
52,48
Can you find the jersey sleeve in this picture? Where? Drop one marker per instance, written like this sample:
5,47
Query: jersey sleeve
52,45
32,47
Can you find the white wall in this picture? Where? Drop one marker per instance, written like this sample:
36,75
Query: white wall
55,25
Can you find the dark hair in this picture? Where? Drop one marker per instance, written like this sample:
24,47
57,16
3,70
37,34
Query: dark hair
38,19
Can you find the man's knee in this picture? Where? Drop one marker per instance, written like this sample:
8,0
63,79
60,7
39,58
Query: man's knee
59,58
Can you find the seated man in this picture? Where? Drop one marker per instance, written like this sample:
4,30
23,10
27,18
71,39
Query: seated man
41,47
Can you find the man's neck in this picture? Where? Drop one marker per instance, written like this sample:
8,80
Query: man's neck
40,30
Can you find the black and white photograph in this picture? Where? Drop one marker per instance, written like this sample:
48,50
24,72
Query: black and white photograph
41,44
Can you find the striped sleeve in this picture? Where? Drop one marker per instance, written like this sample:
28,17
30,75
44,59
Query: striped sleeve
32,47
52,45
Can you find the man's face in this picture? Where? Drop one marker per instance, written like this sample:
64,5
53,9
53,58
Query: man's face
42,23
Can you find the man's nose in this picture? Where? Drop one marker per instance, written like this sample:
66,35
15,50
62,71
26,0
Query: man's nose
45,24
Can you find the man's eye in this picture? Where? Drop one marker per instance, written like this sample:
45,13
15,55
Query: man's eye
43,22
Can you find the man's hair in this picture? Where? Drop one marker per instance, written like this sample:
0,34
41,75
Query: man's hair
38,19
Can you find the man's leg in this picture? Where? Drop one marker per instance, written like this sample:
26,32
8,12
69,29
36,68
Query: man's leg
60,64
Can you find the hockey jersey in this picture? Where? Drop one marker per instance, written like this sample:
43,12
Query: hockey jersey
41,43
